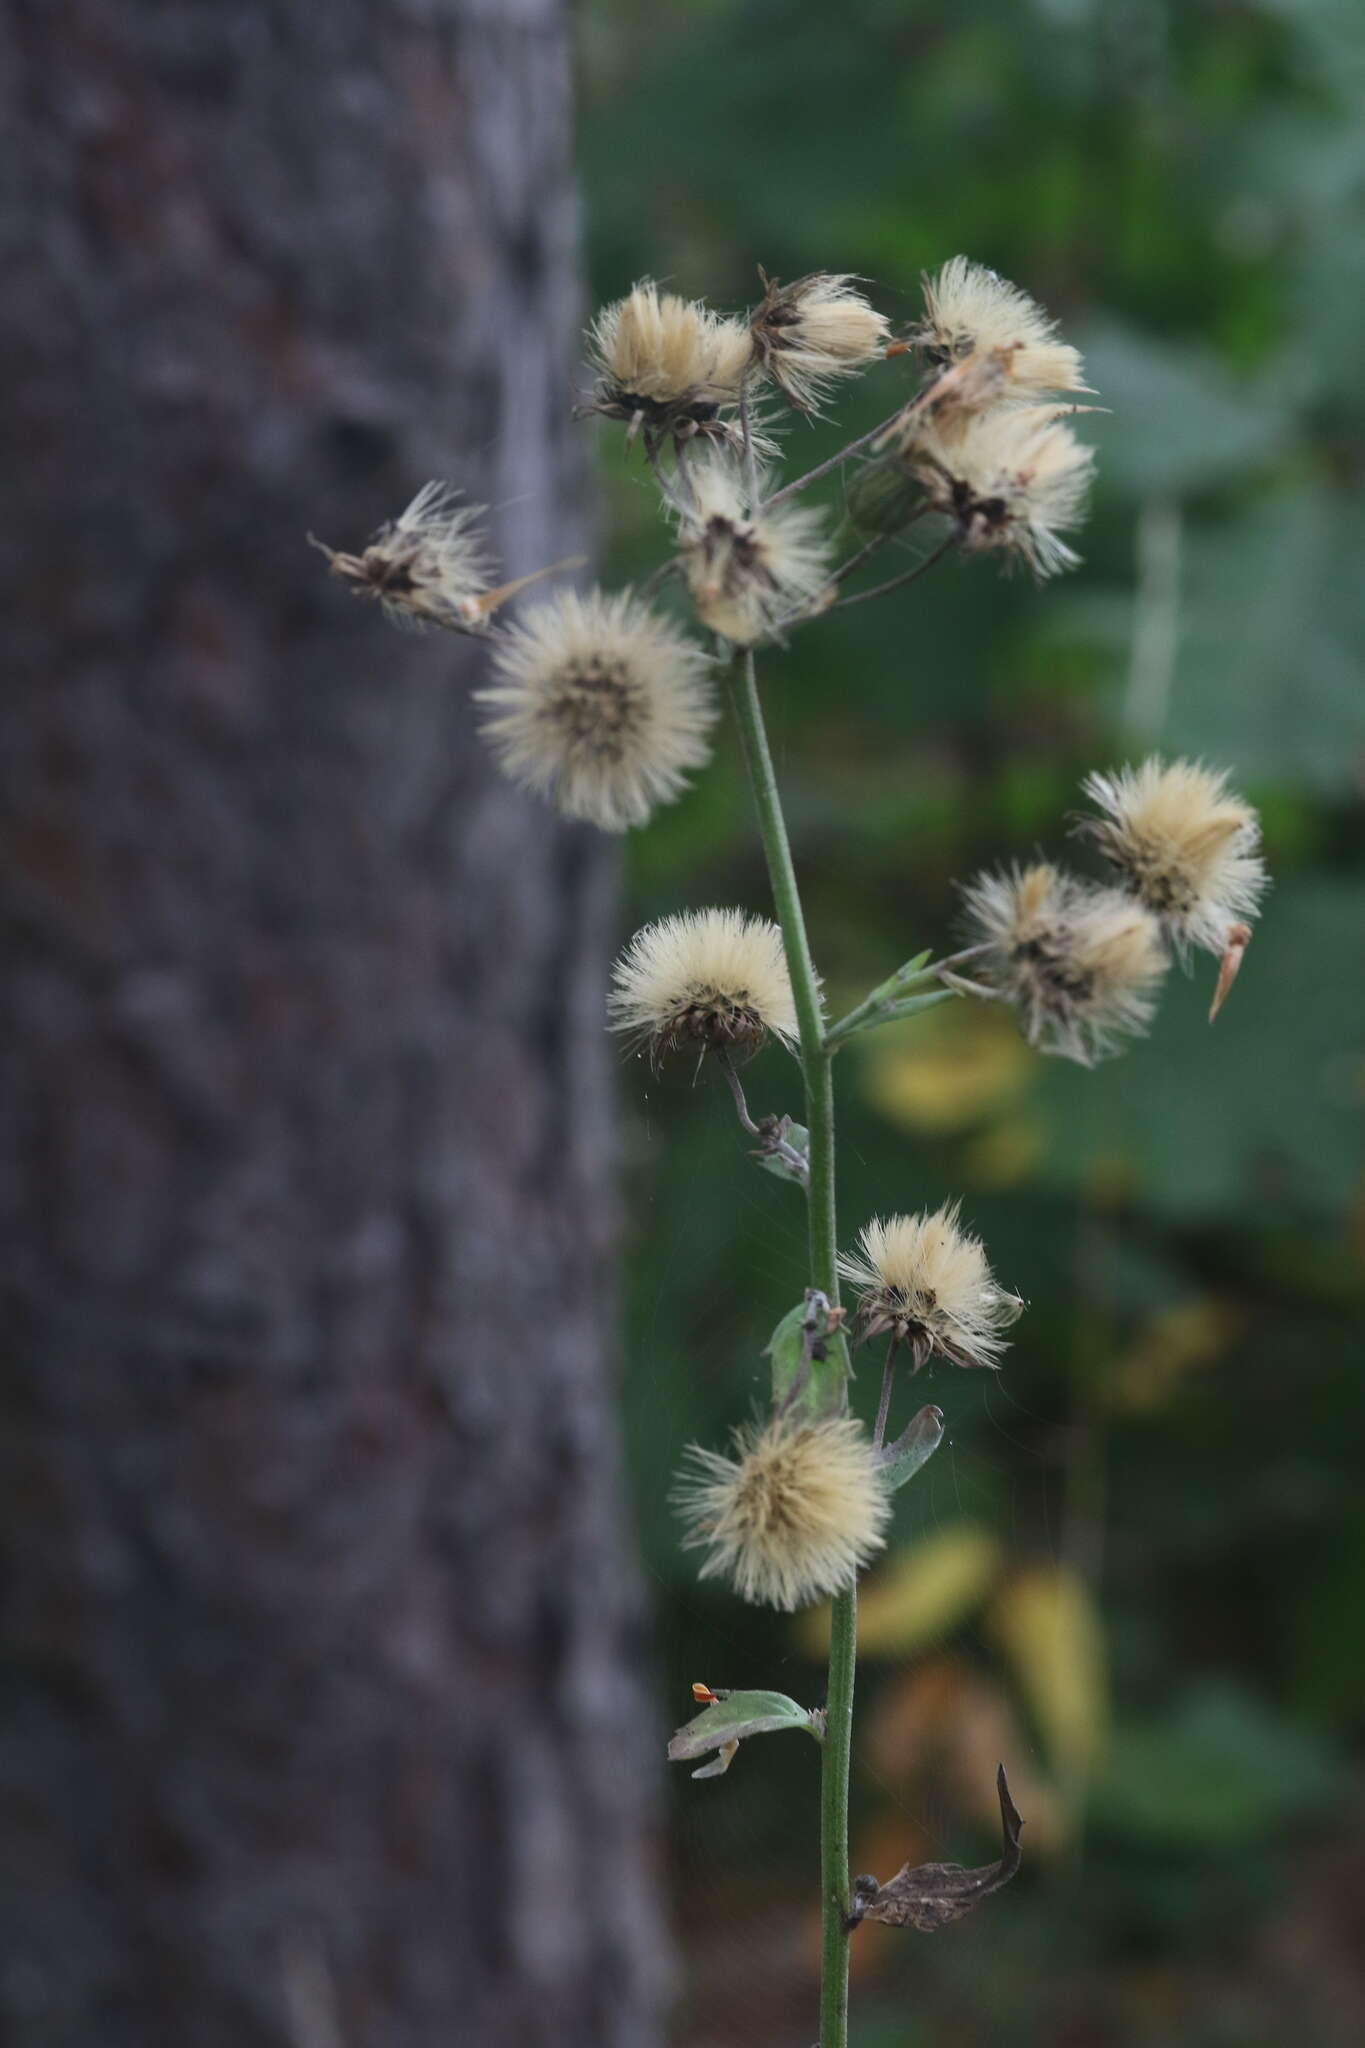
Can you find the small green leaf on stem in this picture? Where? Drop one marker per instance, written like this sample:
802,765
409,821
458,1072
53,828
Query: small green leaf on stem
914,1447
731,1718
789,1139
809,1354
910,1006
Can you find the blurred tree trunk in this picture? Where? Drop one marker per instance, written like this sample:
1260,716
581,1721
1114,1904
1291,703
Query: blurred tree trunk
322,1721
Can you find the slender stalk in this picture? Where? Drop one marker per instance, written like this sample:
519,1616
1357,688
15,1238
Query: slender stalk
831,462
895,582
884,1405
819,1079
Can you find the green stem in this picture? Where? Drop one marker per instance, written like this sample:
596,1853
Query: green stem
843,1655
824,1274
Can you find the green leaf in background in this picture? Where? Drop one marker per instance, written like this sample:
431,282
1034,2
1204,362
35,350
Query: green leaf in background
1261,1108
1177,420
1216,1773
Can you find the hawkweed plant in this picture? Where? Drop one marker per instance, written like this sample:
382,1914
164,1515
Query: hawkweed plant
604,705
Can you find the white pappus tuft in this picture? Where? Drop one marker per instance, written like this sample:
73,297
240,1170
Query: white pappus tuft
668,364
971,314
793,1516
748,570
1184,844
814,332
601,705
428,567
927,1282
1080,964
704,979
1013,479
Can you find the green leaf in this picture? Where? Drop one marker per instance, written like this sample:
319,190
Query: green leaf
910,1006
1178,420
798,1137
901,979
914,1447
784,1349
733,1717
805,1332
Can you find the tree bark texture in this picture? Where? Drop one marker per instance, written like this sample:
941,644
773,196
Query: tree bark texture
323,1725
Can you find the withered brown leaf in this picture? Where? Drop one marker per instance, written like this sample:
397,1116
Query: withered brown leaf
932,1895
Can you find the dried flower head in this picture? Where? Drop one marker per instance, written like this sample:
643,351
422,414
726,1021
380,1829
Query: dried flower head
970,312
748,570
1079,963
666,363
704,979
1184,844
927,1282
811,333
601,705
1013,478
428,567
793,1516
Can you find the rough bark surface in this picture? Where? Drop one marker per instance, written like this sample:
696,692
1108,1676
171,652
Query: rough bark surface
322,1723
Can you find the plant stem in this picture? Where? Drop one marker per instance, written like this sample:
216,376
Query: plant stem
896,582
819,1079
823,469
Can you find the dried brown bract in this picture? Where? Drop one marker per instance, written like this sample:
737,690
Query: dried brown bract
933,1895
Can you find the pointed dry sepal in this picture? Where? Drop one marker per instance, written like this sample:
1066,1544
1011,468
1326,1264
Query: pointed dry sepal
1229,966
913,1448
933,1895
731,1718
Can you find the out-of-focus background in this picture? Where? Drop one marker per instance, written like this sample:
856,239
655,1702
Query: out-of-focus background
1136,1569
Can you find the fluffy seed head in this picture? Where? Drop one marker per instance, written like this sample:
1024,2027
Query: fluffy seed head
667,362
704,979
601,705
927,1282
427,567
1183,843
1013,478
1080,964
793,1516
747,571
970,312
811,333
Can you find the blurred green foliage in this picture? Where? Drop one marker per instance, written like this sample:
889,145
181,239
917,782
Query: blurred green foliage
1180,1425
